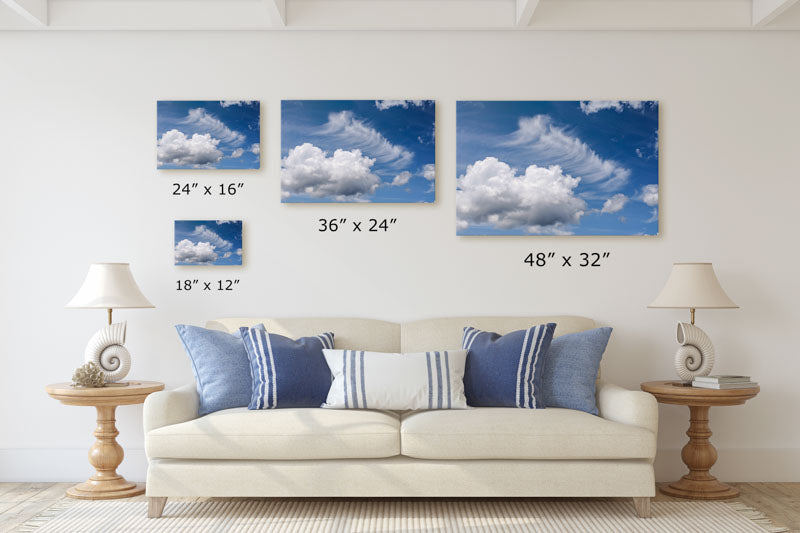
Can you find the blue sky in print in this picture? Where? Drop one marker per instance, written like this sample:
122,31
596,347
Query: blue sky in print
358,151
557,167
208,242
209,134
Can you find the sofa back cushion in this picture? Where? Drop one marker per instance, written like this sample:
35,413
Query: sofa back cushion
416,336
447,333
351,333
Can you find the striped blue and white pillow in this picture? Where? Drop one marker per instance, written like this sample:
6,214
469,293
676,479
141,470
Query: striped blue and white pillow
409,381
286,372
506,370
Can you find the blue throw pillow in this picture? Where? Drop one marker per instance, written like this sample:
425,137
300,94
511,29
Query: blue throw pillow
506,371
571,369
286,372
220,365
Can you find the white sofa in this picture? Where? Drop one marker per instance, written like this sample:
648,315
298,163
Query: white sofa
480,452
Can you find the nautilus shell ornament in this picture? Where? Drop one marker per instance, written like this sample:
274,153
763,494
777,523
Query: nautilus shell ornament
106,349
695,357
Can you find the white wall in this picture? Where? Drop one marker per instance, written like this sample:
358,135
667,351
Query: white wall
79,184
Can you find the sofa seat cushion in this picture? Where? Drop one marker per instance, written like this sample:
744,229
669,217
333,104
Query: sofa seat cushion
280,434
509,433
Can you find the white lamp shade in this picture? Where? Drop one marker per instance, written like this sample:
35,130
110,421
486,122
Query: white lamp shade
109,286
693,286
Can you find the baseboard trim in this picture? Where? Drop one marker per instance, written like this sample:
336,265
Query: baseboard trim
71,464
738,464
62,464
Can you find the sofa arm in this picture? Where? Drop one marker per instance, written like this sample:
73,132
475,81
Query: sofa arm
635,408
170,407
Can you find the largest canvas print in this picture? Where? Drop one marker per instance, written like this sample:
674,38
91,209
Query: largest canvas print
358,151
557,167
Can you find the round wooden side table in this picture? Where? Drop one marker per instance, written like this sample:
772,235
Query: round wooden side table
698,454
106,454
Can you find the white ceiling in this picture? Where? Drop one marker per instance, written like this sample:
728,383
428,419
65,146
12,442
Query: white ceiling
399,14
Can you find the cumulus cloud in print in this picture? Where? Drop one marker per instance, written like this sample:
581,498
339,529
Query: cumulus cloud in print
208,242
208,134
557,168
358,151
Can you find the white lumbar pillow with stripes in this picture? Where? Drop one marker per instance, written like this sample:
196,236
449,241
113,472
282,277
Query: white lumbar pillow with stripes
396,381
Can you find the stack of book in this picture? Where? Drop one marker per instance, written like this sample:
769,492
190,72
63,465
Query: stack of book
723,382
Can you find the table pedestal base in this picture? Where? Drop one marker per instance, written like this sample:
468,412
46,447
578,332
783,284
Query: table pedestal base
105,456
105,490
709,489
699,455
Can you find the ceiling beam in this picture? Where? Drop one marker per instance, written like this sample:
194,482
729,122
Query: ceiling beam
277,10
529,15
765,11
34,11
525,9
643,15
160,15
400,14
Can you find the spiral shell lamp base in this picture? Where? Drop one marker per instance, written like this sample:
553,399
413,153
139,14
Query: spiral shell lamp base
695,357
106,349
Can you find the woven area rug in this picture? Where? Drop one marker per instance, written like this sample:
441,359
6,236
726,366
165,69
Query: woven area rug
566,516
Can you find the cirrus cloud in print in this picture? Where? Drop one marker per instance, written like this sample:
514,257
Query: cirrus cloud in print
557,167
358,151
208,242
223,134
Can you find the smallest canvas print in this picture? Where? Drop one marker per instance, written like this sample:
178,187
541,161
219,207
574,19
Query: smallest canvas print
208,242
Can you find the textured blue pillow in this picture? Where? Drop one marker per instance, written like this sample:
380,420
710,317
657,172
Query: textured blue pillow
286,372
570,370
506,371
220,365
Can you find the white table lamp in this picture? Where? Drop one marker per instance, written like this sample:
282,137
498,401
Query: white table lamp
109,286
693,286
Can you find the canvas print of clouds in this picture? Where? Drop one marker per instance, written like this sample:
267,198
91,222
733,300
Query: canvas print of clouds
557,168
208,242
358,151
209,134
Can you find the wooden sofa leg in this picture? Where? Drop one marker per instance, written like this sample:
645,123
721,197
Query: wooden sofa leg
642,506
155,506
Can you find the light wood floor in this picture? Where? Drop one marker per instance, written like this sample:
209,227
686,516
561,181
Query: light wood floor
21,501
